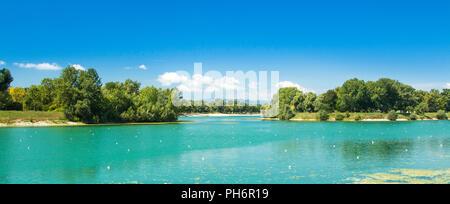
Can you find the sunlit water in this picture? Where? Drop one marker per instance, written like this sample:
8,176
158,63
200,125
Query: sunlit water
221,150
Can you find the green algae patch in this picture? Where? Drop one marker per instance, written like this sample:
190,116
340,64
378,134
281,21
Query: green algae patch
406,176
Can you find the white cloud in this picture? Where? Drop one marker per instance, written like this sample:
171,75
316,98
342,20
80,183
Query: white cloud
143,67
208,85
286,84
170,78
42,66
199,82
429,86
78,67
2,62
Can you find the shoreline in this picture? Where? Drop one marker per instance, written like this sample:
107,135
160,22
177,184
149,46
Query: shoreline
41,124
220,115
48,123
79,124
363,120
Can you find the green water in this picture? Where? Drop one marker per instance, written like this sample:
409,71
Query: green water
221,150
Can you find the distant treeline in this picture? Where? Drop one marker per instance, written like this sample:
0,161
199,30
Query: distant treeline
82,97
218,106
355,95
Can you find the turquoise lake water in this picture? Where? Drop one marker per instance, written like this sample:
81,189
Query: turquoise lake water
221,150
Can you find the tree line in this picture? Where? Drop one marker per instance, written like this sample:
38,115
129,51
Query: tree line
384,95
82,97
219,106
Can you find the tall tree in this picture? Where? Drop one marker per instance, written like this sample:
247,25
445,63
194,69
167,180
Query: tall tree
5,79
446,96
353,96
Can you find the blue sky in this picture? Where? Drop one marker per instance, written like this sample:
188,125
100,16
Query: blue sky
317,44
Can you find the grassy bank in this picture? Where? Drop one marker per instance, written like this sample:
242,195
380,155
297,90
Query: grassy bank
364,116
44,119
30,116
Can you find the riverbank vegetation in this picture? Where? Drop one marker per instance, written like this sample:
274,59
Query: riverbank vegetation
8,117
80,96
337,116
385,99
218,106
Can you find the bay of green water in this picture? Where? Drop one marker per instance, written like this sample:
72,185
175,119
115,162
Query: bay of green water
221,150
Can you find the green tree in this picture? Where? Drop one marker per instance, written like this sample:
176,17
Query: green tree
436,101
298,100
441,115
5,79
323,115
384,94
413,116
422,108
353,96
326,101
287,95
76,92
339,117
5,98
446,97
119,98
392,115
42,97
329,99
308,103
408,99
89,101
286,113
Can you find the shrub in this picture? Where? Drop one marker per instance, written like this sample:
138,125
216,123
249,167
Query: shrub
413,116
358,117
378,115
347,115
392,116
441,115
422,108
339,117
286,113
323,115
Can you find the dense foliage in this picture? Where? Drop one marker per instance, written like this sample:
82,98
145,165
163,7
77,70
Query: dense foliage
81,96
392,115
218,106
355,95
6,102
441,115
340,117
323,115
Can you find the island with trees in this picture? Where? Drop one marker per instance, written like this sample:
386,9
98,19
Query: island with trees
356,100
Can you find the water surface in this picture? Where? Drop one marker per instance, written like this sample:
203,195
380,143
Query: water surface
221,150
